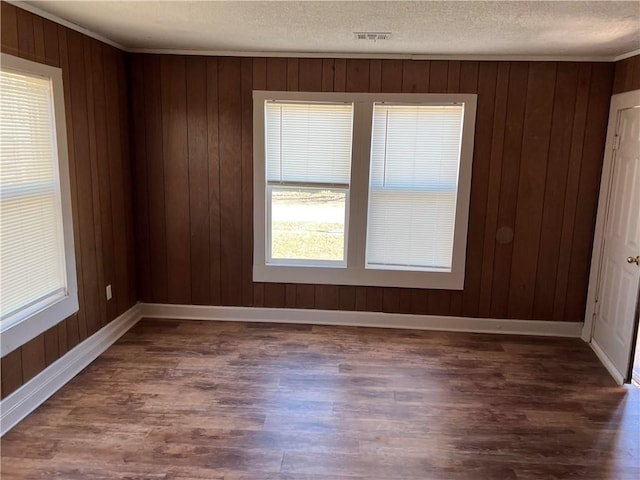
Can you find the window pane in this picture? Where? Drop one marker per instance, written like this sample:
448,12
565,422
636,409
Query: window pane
32,254
308,142
308,224
415,158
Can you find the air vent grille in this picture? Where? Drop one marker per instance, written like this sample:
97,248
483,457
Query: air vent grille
372,36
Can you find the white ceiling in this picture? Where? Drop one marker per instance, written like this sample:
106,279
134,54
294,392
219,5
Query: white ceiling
553,29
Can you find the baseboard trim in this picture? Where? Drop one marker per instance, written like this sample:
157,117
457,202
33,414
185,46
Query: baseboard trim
363,319
604,359
15,407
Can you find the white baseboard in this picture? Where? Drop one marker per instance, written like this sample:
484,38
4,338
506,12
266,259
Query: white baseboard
363,319
617,376
36,391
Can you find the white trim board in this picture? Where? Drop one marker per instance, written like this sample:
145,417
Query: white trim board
604,359
15,407
362,319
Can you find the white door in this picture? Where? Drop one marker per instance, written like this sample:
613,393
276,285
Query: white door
619,278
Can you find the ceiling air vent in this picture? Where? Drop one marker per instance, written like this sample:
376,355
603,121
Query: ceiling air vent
372,36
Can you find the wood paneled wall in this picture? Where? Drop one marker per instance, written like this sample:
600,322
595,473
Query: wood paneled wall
538,153
627,76
96,102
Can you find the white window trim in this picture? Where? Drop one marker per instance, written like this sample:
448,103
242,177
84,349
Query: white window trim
355,273
18,330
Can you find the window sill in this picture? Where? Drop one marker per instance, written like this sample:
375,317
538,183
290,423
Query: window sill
18,332
359,277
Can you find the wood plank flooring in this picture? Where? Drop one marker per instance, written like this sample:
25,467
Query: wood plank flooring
207,400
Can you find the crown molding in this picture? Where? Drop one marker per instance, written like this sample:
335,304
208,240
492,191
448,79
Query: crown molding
624,56
54,18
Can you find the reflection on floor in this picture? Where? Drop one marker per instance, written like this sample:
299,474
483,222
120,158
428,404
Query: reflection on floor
208,400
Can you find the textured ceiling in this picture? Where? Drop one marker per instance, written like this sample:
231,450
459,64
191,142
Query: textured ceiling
551,29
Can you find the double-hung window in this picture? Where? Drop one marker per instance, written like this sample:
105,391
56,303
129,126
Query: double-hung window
37,264
362,189
308,169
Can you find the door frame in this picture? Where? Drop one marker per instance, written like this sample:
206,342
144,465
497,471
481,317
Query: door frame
618,102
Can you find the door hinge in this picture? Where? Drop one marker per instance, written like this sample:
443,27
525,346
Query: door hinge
616,142
596,308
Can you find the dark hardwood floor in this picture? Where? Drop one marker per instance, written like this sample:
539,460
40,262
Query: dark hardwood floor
208,400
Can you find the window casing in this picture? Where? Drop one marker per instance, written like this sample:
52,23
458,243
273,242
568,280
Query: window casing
37,275
429,134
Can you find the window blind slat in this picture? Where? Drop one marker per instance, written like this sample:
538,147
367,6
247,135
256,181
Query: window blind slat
308,142
415,158
32,251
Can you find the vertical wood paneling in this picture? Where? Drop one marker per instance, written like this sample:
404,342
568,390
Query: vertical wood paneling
305,296
339,75
493,187
571,191
155,178
94,323
361,299
391,76
11,368
247,176
51,346
33,358
230,126
26,40
38,39
9,32
82,169
374,299
51,52
502,260
347,298
600,88
198,179
357,75
375,75
277,79
531,188
274,295
129,286
555,189
310,75
213,162
627,75
290,296
292,74
438,76
72,323
176,178
477,78
531,123
391,300
137,86
327,297
92,130
259,83
415,76
328,66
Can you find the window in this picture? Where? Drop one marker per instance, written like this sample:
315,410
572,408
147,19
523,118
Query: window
362,189
37,263
308,156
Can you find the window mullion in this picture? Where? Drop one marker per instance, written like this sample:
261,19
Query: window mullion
359,194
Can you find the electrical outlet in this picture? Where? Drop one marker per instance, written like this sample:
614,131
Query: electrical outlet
109,294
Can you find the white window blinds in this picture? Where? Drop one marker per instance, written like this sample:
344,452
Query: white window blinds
308,142
415,158
32,249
